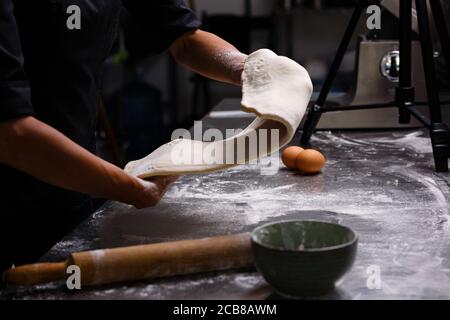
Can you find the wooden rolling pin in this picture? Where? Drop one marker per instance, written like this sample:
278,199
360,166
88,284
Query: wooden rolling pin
142,261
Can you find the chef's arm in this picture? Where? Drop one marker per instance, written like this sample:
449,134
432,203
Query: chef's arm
209,55
30,145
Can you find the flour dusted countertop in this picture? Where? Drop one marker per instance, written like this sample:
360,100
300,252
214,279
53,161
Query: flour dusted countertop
382,184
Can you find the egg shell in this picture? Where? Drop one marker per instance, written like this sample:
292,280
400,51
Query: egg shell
310,161
289,156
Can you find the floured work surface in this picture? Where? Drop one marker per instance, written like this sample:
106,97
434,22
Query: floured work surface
383,185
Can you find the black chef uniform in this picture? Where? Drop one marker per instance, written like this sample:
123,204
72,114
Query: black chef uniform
52,71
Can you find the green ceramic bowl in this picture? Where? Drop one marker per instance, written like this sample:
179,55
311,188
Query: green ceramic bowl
302,258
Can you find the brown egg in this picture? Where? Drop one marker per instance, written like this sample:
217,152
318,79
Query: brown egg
289,156
310,161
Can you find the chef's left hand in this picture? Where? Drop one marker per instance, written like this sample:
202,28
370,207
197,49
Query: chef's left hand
152,190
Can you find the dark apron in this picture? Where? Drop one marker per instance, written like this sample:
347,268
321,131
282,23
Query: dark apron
64,70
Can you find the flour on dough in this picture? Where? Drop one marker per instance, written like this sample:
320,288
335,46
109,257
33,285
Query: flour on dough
275,88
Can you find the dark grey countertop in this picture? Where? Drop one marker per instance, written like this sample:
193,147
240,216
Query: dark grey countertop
382,184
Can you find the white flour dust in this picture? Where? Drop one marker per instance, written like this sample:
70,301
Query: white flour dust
413,141
371,190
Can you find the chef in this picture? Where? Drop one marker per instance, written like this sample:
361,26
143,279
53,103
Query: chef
51,56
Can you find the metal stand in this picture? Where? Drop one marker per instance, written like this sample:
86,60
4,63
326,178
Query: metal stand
404,97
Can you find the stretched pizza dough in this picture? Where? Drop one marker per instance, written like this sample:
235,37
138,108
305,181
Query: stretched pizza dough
275,88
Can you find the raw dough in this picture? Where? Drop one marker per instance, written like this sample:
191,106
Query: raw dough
275,88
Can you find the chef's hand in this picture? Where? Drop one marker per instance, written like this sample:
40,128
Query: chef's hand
152,190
